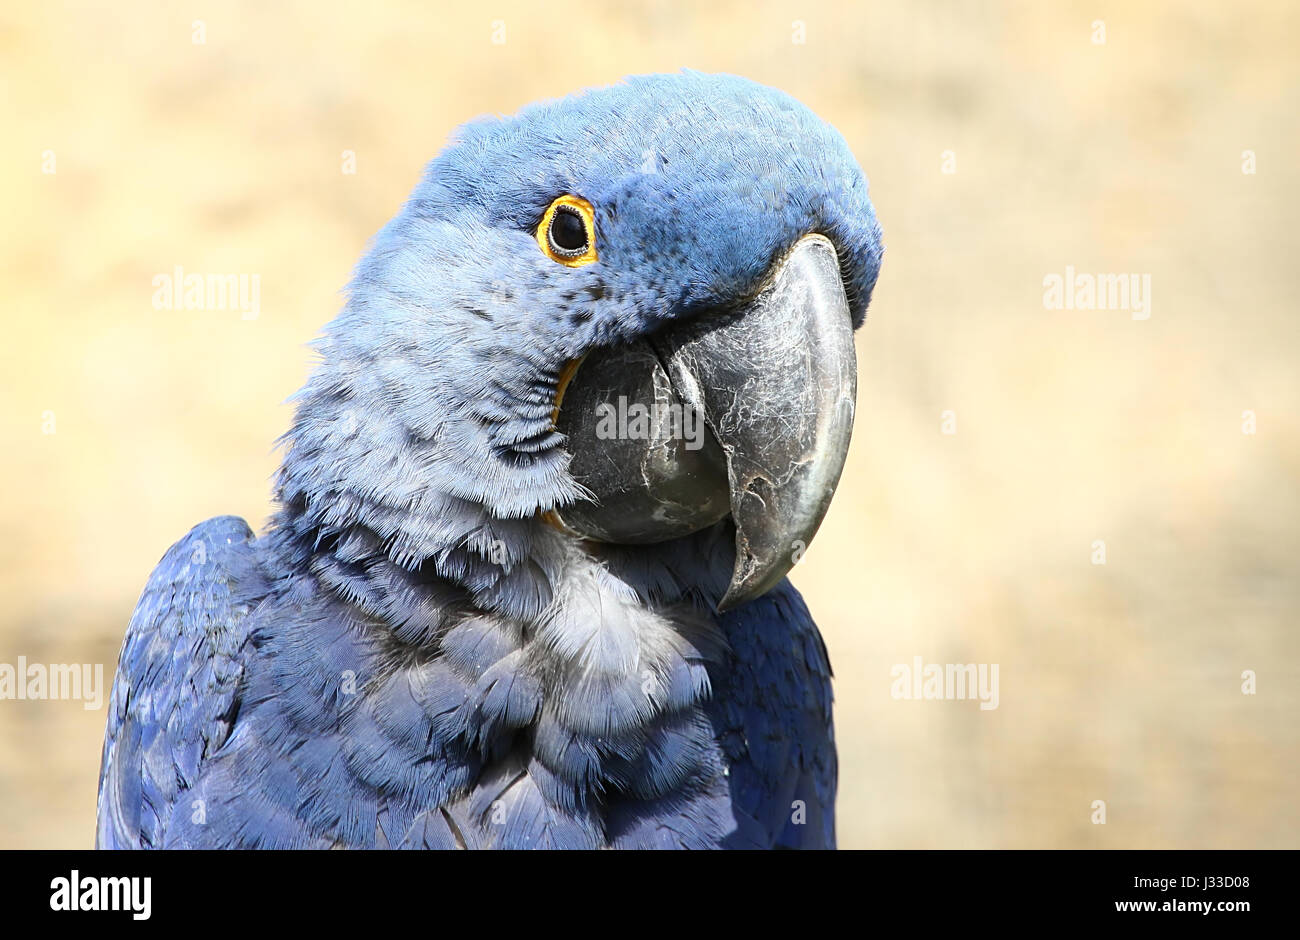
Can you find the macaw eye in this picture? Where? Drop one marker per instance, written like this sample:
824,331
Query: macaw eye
567,232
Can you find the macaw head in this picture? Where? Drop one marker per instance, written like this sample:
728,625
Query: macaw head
625,316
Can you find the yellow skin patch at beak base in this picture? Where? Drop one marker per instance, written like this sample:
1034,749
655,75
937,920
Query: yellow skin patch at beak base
587,213
566,376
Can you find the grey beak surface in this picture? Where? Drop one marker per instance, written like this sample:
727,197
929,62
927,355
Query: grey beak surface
775,384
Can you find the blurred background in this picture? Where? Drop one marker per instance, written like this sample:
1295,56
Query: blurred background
1003,142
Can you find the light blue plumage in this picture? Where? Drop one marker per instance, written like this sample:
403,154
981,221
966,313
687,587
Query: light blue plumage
411,655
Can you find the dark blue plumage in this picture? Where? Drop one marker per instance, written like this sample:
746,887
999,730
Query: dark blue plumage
411,656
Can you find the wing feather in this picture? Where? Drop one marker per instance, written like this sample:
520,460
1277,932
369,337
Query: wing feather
176,693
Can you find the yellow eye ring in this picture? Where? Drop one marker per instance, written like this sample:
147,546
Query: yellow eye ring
567,232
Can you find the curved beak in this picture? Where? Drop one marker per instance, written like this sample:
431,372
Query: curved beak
777,385
774,384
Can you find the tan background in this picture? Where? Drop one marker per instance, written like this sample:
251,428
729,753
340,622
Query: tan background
1118,682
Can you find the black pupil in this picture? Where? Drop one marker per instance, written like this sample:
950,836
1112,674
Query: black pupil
568,233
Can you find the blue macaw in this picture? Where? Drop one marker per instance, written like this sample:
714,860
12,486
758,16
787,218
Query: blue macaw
511,598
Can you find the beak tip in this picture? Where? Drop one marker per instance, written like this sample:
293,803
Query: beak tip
751,579
733,598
